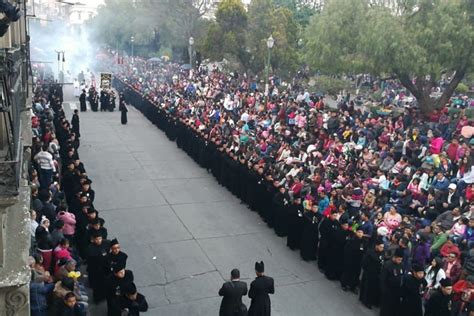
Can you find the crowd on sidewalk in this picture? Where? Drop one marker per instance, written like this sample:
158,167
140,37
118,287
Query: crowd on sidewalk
384,201
71,251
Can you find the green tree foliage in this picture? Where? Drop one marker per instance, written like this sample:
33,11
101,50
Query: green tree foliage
169,22
266,19
226,35
414,41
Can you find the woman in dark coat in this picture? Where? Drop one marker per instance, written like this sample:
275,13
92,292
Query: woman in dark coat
370,283
123,109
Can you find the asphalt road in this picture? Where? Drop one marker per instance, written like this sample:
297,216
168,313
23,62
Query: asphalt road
183,232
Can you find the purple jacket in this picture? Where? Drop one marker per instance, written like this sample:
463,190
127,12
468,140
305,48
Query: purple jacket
469,234
421,253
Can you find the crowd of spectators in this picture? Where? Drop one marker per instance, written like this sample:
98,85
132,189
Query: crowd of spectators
383,200
71,255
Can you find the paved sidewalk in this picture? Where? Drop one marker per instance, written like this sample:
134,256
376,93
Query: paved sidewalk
183,232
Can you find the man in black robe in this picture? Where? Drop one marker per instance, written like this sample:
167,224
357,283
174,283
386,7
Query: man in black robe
338,240
260,288
96,269
370,283
441,301
295,224
132,301
310,234
391,277
75,123
82,101
328,224
114,286
232,292
353,253
413,287
123,110
115,257
281,209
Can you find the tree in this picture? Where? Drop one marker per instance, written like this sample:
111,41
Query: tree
266,19
226,36
415,41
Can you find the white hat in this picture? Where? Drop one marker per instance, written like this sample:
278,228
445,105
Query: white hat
452,186
382,231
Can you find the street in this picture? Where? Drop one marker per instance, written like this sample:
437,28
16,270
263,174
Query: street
183,232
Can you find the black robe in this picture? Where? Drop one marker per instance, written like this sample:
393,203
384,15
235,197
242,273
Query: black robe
412,291
335,264
112,260
390,285
75,125
260,288
134,307
295,226
310,235
281,209
123,109
439,304
82,101
370,283
96,269
325,229
114,290
353,253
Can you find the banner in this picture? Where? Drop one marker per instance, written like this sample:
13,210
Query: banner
105,80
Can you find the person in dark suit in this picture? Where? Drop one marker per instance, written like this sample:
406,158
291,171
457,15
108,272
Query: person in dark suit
82,101
259,290
232,293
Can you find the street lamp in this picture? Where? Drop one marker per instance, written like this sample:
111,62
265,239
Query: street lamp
132,40
270,42
191,52
61,65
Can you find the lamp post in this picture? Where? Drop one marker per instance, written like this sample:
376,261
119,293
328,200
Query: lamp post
270,42
61,65
191,55
191,51
132,40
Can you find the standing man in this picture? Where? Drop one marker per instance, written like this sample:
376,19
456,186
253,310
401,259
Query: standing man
370,283
82,101
115,257
123,109
440,302
259,290
414,285
75,123
391,284
232,293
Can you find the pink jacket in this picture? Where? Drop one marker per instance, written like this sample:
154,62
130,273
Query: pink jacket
436,145
69,220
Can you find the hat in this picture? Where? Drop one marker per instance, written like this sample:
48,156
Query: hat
95,233
399,253
379,241
114,242
118,267
343,221
382,231
446,282
259,266
452,186
68,283
129,288
372,191
416,267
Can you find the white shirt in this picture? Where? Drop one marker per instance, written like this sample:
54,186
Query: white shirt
45,160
